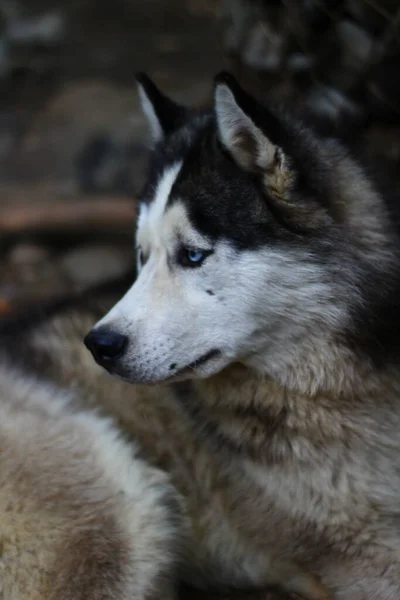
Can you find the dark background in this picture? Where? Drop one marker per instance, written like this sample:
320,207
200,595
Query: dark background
72,139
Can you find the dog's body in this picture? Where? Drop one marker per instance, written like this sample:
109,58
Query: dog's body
156,419
305,514
81,515
269,278
267,297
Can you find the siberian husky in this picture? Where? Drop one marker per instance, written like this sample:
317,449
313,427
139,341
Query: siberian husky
262,333
269,284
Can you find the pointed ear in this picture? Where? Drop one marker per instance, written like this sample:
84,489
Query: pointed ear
238,117
163,114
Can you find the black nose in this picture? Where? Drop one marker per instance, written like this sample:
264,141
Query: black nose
105,345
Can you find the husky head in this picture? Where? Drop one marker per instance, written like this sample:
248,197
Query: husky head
250,245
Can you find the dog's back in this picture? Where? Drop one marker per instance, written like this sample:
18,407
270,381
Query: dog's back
81,516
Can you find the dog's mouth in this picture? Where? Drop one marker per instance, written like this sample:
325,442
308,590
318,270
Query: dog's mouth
184,373
197,363
190,369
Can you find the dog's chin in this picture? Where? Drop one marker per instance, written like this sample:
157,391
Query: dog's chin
207,365
212,366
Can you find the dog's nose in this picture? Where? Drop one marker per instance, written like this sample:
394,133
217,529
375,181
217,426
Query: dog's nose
105,345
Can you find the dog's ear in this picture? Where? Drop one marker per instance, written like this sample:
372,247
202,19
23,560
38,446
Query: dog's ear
163,114
252,135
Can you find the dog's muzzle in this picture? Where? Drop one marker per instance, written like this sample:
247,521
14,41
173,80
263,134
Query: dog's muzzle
107,346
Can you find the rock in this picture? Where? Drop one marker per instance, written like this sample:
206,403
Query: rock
254,31
95,264
334,106
358,50
47,29
111,164
27,254
78,113
264,49
383,89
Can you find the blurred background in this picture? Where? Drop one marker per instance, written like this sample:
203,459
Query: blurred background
72,138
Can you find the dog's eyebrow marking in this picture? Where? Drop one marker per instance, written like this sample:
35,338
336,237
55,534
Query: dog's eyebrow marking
163,190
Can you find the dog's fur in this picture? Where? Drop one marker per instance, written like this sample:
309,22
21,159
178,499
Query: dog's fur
281,426
300,288
81,515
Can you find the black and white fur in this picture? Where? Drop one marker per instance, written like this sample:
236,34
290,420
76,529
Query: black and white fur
299,244
269,278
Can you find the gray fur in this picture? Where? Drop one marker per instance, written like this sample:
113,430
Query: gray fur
81,515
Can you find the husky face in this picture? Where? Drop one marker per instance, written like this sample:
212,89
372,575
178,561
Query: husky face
240,245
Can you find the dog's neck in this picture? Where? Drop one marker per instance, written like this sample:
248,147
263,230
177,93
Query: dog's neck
323,367
258,416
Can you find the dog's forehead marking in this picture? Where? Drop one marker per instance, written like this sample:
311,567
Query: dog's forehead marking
163,190
151,215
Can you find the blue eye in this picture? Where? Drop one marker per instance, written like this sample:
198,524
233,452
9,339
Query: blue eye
192,257
195,256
